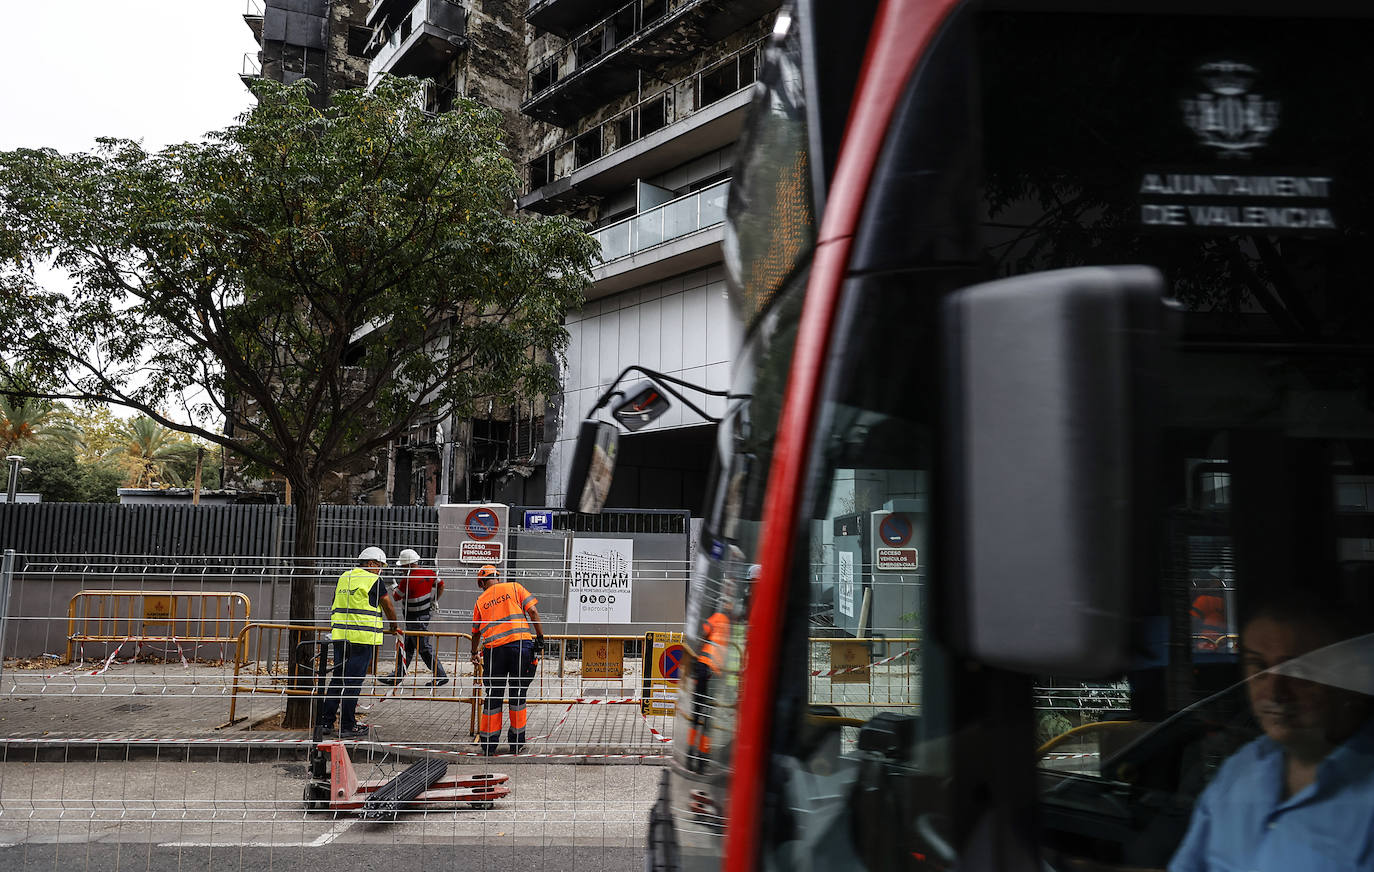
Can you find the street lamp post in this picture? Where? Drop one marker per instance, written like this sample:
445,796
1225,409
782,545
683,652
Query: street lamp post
14,461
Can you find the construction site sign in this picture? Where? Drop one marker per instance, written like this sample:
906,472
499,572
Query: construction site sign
599,584
849,662
603,658
665,661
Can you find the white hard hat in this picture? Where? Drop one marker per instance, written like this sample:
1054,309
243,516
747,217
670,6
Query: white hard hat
407,557
372,553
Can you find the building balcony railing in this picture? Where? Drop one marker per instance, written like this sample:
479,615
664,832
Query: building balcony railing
672,220
251,68
566,17
684,98
606,58
426,36
252,16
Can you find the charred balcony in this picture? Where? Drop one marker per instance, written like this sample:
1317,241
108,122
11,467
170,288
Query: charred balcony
701,113
415,37
568,17
608,57
252,16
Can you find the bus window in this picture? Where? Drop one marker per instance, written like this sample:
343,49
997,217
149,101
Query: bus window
1231,153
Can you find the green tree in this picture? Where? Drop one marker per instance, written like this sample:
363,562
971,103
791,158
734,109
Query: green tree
317,280
150,453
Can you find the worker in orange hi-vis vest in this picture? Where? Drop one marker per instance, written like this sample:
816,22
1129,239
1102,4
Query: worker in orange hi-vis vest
715,635
501,623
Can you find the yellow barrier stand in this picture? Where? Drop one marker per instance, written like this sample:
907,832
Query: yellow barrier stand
144,616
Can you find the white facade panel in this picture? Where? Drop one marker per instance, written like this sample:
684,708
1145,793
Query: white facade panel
670,334
682,326
694,326
721,333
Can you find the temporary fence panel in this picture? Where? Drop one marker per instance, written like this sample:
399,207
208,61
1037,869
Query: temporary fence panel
149,617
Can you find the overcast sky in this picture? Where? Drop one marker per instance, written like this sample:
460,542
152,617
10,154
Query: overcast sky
160,71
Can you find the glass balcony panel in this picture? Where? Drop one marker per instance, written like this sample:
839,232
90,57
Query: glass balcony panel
680,217
615,240
648,229
713,203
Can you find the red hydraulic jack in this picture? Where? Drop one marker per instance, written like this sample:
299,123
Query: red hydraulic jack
424,783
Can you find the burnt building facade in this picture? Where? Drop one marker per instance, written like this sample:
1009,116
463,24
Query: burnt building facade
321,40
622,114
634,110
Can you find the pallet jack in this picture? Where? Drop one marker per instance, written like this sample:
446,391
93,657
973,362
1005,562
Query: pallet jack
334,784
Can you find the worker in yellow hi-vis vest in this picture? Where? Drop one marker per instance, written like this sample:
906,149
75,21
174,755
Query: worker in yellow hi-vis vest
501,623
356,627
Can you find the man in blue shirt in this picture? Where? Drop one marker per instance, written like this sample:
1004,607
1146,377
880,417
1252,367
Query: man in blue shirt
1302,795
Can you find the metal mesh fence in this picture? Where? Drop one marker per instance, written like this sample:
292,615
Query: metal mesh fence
141,727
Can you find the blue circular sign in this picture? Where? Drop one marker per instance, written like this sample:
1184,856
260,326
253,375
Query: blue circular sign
482,524
895,530
670,661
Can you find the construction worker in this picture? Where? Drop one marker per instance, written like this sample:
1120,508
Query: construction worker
501,623
356,628
417,593
715,635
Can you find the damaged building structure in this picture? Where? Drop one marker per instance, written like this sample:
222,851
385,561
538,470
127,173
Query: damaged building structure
625,115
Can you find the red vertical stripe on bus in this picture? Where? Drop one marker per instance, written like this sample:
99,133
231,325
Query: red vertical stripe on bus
901,34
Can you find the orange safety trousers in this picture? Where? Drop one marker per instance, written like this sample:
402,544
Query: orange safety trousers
505,683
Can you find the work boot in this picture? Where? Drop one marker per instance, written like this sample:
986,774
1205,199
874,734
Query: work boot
440,681
517,749
391,680
357,731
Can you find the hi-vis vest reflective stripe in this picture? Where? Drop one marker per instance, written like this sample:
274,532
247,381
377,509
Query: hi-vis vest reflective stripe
715,632
414,604
353,618
499,616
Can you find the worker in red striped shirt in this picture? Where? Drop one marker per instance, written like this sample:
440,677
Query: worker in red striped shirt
416,595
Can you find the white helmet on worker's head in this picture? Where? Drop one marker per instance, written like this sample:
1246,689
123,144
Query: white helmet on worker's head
372,553
407,557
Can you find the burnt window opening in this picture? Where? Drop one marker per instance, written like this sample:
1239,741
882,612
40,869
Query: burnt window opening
405,28
652,10
358,38
587,147
622,26
718,83
541,171
624,130
591,47
748,66
653,115
293,58
544,77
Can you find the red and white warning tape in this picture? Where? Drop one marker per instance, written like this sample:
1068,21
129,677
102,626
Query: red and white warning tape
847,669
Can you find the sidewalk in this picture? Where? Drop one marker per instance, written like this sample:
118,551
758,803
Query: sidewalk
135,710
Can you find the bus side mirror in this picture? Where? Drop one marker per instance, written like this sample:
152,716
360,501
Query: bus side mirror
593,467
1051,385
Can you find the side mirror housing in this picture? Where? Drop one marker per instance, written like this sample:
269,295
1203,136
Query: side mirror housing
593,467
1051,387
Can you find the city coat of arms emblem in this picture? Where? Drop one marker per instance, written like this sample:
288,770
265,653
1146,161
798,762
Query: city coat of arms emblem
1227,115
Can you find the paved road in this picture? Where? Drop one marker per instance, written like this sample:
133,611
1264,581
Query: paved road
235,816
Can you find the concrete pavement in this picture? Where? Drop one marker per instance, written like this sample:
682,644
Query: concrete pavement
136,767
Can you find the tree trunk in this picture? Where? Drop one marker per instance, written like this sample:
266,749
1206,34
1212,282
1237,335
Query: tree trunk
306,495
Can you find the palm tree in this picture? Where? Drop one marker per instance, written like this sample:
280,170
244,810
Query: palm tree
150,452
26,420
